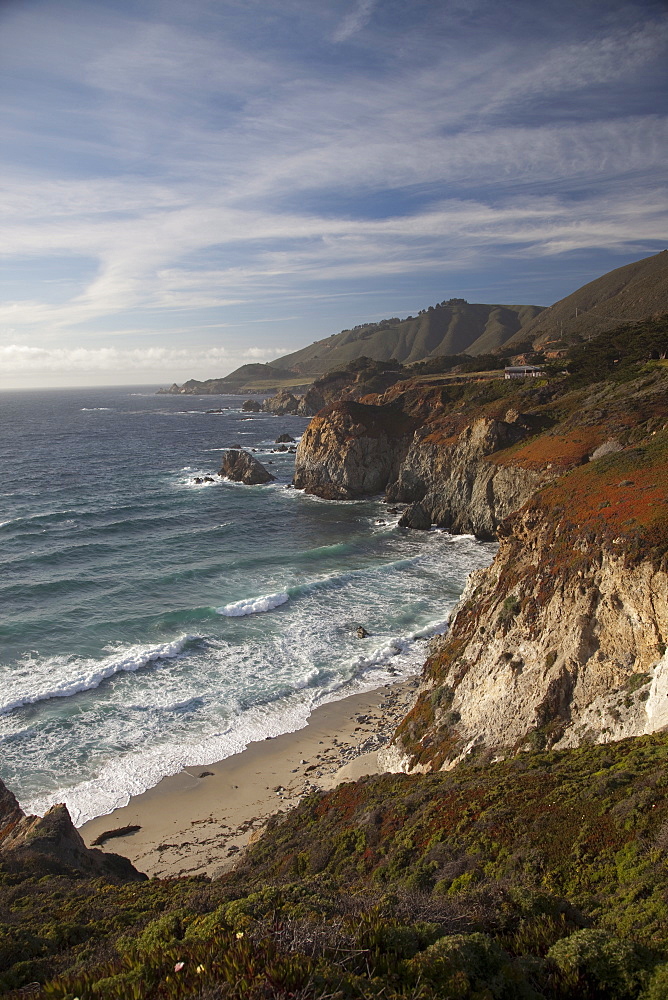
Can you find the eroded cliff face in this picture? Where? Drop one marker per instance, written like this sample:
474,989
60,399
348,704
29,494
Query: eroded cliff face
563,639
412,448
453,481
350,450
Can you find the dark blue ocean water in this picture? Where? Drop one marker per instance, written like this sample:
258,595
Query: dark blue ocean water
148,622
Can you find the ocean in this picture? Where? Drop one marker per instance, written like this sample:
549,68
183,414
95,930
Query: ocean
149,622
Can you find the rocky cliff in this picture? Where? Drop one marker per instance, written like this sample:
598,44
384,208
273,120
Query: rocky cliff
421,447
52,844
351,450
562,639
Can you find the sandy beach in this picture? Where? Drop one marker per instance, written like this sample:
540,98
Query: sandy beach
198,821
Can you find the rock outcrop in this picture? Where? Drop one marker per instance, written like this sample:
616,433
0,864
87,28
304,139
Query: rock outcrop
283,402
563,639
455,485
251,406
52,844
241,467
351,450
419,453
416,516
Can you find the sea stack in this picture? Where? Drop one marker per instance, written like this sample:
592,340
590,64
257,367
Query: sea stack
241,467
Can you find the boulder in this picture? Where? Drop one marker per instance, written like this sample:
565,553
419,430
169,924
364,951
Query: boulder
241,467
251,406
284,439
416,516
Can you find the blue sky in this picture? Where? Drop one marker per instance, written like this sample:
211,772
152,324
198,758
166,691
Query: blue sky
188,187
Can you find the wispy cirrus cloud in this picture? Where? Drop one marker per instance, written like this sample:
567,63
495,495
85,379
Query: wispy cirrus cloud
199,169
354,21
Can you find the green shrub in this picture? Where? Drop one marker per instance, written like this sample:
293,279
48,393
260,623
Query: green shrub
509,609
657,988
597,964
470,966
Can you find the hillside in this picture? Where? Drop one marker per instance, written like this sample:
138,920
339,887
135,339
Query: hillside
524,855
570,473
627,294
538,878
452,327
457,327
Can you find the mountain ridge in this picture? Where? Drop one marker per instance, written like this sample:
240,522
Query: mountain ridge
630,293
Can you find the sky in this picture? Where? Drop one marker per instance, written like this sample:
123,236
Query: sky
190,187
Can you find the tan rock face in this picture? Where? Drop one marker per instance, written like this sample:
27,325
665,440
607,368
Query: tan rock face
541,655
461,490
283,402
351,450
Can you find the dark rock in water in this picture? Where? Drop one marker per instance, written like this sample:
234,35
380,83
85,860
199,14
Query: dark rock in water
221,409
284,439
416,516
251,406
198,480
362,632
239,446
241,467
281,447
209,479
53,845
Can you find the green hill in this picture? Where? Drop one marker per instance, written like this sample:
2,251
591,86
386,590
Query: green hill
626,295
452,327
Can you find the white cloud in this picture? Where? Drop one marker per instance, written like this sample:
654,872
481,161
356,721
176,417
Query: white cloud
207,171
24,359
354,21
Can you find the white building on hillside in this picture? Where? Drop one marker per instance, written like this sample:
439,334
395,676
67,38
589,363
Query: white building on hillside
522,371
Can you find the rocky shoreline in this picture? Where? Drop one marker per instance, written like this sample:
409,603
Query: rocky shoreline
562,639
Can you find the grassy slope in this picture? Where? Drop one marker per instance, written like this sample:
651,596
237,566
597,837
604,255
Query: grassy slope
540,876
449,328
628,293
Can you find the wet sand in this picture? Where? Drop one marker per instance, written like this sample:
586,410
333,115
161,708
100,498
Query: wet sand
198,821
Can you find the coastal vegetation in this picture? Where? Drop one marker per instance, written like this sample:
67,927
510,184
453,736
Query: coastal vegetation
524,856
543,875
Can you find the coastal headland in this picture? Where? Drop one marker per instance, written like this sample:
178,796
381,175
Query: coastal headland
503,834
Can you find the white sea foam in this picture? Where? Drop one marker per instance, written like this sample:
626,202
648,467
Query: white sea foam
130,774
92,409
35,682
252,605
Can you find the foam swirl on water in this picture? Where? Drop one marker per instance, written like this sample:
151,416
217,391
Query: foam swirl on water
81,675
253,605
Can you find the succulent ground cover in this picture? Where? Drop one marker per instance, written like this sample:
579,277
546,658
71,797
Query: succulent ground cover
544,875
